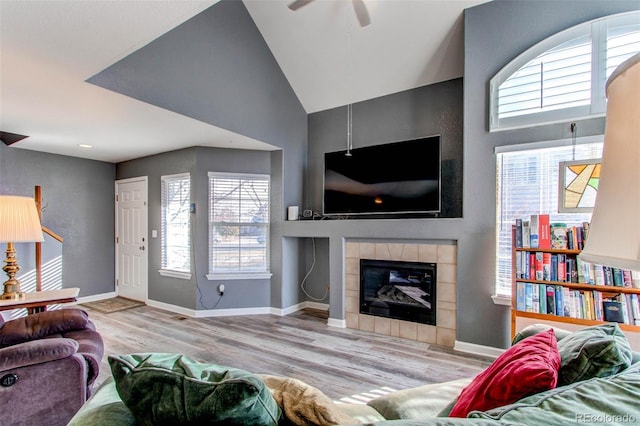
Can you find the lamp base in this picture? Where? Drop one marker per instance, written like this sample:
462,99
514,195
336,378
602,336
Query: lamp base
16,295
12,285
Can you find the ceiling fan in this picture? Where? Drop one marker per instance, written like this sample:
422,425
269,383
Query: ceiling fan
358,5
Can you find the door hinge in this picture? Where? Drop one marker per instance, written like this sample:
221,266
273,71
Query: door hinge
116,198
117,240
117,282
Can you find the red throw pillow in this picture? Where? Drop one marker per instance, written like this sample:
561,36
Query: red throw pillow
528,367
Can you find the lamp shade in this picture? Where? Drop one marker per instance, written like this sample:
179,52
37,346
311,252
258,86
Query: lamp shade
614,234
19,220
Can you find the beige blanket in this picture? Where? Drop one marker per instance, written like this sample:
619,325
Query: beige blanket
303,404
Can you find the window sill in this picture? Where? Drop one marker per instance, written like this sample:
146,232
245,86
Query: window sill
240,276
175,274
501,299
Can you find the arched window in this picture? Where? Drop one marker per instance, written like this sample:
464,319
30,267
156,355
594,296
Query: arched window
563,77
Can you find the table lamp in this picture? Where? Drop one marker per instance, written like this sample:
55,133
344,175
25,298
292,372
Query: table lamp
614,234
19,223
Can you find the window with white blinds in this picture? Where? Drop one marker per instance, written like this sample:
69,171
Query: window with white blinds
527,183
176,226
564,76
238,226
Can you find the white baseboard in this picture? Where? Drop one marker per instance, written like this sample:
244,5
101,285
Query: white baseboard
172,308
96,297
338,323
286,311
316,305
476,349
207,313
233,311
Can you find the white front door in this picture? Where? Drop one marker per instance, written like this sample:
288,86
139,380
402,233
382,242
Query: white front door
131,238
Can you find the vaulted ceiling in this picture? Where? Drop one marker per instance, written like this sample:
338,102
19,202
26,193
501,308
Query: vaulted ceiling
48,50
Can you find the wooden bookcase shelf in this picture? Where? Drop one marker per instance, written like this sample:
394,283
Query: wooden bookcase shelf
606,291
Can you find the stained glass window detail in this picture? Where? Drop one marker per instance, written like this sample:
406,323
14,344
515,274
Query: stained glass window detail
578,185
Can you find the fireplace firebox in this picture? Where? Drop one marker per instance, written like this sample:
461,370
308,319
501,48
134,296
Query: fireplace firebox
398,290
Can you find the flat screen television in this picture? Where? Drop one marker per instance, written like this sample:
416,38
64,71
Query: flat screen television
395,178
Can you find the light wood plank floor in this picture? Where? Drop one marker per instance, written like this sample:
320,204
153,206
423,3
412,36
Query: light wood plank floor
340,362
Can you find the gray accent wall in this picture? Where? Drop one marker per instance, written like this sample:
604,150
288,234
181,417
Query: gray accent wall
78,197
412,114
494,34
425,111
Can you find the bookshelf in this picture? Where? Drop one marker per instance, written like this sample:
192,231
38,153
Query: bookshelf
584,306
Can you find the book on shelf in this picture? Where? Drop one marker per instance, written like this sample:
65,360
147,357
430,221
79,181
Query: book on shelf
534,236
528,297
635,307
519,233
559,235
543,298
539,266
551,299
544,231
520,296
526,234
559,301
535,298
613,311
546,266
562,267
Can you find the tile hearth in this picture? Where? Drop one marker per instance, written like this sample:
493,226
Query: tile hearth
444,332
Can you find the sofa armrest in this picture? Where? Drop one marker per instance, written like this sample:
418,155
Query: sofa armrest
91,347
36,352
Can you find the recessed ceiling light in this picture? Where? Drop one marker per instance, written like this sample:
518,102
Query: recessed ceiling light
84,145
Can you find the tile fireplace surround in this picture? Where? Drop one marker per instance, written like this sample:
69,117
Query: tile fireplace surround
444,332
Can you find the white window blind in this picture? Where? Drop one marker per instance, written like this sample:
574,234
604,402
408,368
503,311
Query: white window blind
559,78
564,76
527,183
238,223
623,41
176,227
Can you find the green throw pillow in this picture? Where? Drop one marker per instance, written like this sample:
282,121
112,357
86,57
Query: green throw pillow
597,351
534,329
169,389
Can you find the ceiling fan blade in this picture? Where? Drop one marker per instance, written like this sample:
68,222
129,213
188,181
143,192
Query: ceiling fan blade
361,12
297,4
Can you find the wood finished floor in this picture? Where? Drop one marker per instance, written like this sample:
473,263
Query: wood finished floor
340,362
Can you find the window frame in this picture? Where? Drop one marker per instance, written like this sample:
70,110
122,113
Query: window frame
240,274
165,270
597,30
502,292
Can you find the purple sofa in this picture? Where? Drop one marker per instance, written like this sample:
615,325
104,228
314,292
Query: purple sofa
48,363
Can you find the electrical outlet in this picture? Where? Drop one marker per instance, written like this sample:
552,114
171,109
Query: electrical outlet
221,289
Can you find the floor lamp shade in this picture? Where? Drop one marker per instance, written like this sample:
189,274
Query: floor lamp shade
614,234
19,220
